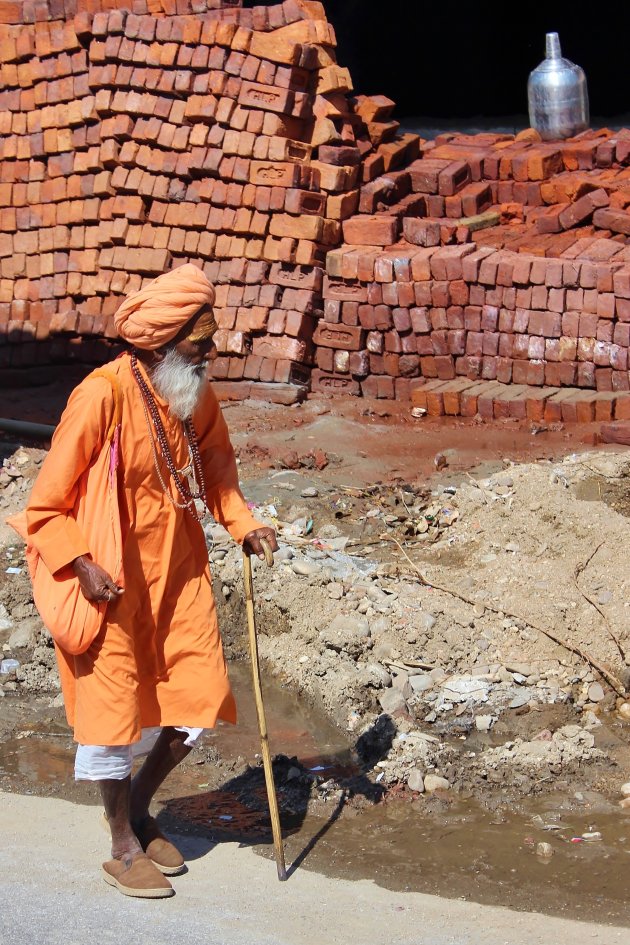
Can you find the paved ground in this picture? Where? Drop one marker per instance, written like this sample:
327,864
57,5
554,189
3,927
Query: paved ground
51,893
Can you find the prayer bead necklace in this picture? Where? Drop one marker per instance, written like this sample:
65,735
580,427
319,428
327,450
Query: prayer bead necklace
150,407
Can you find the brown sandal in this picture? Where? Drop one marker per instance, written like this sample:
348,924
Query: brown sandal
158,848
164,854
137,877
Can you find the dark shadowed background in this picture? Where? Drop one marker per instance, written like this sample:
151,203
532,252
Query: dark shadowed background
455,60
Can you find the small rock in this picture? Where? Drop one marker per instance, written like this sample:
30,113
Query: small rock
392,700
596,692
335,591
519,700
420,683
309,493
590,720
604,597
433,782
379,673
483,723
349,632
321,459
305,568
23,637
624,710
401,681
285,553
438,675
544,850
524,669
428,621
289,460
415,781
625,789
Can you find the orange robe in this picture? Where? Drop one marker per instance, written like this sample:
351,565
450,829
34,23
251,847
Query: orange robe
158,659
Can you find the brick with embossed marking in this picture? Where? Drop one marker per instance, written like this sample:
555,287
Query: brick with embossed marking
267,97
341,337
279,349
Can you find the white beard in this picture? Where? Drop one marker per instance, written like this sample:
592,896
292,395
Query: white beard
179,383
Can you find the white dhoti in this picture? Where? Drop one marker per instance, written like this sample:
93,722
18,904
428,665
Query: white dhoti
113,762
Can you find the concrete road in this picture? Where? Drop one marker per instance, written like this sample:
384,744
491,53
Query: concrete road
51,893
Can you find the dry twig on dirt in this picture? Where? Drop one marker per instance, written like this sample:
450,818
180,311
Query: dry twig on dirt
612,680
579,569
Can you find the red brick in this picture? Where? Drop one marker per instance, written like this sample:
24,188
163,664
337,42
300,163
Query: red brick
583,208
290,349
548,220
347,338
616,220
379,230
622,408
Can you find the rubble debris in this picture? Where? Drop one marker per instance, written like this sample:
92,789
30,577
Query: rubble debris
444,683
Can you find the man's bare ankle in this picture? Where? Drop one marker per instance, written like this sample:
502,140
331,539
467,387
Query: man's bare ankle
126,851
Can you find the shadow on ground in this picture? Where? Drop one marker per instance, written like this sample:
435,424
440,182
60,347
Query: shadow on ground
238,811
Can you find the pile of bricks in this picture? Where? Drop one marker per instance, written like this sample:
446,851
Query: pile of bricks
138,138
417,292
393,318
136,135
491,400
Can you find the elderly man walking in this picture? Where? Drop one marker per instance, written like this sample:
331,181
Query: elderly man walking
157,660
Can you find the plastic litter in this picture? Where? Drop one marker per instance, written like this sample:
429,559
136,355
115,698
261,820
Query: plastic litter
9,666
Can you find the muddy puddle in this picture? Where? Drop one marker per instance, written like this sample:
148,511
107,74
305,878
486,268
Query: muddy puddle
39,758
614,493
443,845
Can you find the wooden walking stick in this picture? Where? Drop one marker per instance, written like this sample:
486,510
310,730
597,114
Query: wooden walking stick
260,709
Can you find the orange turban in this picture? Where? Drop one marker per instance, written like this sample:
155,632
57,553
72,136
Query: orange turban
153,316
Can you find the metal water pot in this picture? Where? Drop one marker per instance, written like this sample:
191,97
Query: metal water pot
557,95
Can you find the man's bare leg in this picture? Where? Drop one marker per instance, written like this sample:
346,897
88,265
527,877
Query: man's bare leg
116,801
168,751
129,870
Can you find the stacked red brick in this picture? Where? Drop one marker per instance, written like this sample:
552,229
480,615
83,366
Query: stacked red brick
163,131
133,142
512,303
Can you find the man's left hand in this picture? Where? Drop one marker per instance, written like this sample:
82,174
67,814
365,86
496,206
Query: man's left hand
252,545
